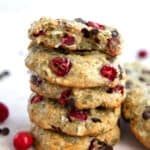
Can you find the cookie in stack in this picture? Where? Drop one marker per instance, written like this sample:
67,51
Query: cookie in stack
78,84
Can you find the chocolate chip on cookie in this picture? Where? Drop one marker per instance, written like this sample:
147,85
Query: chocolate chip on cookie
146,113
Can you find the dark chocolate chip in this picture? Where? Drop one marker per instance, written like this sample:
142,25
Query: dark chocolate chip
5,131
98,145
96,120
146,113
4,74
128,84
80,20
114,33
142,79
0,131
85,32
36,80
94,32
97,40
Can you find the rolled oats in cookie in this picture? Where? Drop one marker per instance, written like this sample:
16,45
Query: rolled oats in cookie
47,140
86,98
73,70
75,35
48,114
136,107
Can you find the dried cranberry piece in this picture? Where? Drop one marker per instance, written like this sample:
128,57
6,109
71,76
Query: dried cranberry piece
36,99
95,25
68,40
108,72
64,97
98,145
113,45
60,65
142,53
77,114
4,112
117,88
40,33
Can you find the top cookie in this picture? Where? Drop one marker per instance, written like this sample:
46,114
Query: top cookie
75,35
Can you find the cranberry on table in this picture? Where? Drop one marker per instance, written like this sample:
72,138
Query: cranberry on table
4,112
23,140
142,53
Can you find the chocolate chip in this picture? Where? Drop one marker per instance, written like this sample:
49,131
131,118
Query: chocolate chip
128,84
57,129
114,33
85,32
98,145
97,40
5,131
4,74
80,20
36,80
142,79
96,120
94,32
146,113
0,131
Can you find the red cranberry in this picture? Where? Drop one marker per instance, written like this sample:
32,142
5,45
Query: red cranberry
113,45
68,40
108,72
4,112
36,99
117,88
95,25
77,114
63,100
142,53
60,66
40,33
23,140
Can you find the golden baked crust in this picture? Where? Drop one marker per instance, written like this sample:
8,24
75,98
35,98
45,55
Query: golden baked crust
49,140
48,114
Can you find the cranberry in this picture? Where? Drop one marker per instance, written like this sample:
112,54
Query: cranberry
4,112
112,45
117,88
40,33
23,140
68,40
36,99
63,100
60,65
95,25
108,72
77,114
142,53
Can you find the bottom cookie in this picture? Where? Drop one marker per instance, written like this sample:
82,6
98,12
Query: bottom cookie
49,140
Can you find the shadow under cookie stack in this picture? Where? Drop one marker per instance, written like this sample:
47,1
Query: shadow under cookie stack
78,84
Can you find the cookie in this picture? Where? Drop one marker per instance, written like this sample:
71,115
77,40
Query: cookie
87,98
48,114
49,140
72,70
136,107
75,35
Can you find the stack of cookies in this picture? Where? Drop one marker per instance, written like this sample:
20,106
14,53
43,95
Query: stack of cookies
78,84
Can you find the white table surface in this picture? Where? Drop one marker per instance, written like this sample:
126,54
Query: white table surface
15,18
